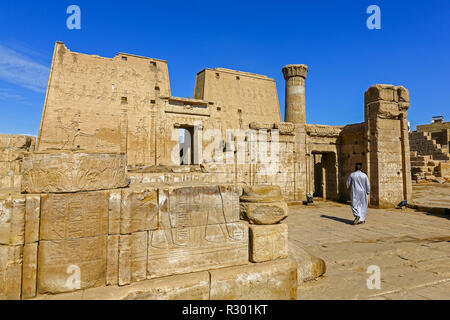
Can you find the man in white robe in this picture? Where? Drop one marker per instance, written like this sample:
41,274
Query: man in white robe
359,194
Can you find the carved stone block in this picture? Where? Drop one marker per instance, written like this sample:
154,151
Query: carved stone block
71,172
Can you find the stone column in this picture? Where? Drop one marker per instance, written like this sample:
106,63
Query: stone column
295,75
387,141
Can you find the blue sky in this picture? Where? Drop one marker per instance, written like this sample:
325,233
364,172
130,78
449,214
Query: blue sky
344,57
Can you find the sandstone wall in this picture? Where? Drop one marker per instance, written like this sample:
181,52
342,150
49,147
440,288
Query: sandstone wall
124,104
62,238
98,104
352,149
242,97
388,161
268,156
12,150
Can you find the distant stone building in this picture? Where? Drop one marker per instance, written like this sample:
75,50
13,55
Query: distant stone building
430,145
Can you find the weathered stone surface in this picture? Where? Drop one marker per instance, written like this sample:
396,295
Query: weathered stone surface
192,249
9,155
10,272
71,172
16,142
115,200
260,125
268,242
261,193
32,218
287,128
133,257
112,260
74,215
309,267
139,210
198,206
10,168
124,260
12,220
60,262
29,270
273,280
138,256
444,170
192,286
264,213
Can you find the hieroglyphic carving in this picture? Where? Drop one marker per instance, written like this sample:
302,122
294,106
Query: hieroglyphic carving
29,270
268,242
10,272
197,206
139,210
56,257
138,256
74,215
70,132
191,249
12,220
71,172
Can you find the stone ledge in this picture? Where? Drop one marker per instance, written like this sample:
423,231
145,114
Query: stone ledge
274,280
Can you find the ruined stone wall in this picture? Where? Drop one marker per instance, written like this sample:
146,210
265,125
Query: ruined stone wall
388,159
97,104
352,150
124,105
12,150
322,141
268,156
83,228
433,127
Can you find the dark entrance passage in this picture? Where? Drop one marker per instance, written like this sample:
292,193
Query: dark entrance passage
325,184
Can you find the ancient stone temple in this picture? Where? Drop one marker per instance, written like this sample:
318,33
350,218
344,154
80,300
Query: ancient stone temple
430,151
129,192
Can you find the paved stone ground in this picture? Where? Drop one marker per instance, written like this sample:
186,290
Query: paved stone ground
411,248
432,194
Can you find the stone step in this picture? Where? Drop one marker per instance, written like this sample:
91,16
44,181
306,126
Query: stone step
421,158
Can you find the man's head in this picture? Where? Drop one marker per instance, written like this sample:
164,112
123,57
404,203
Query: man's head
358,166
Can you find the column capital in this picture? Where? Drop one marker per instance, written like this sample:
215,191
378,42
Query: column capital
295,70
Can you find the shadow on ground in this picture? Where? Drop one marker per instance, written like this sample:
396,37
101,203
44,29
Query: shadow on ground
347,221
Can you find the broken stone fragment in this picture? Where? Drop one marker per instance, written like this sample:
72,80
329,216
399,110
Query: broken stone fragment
285,128
264,213
262,193
309,267
260,126
268,242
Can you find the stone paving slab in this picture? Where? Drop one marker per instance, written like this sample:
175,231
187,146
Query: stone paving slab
412,250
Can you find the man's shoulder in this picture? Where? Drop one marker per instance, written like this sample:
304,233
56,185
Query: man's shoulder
363,174
358,173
